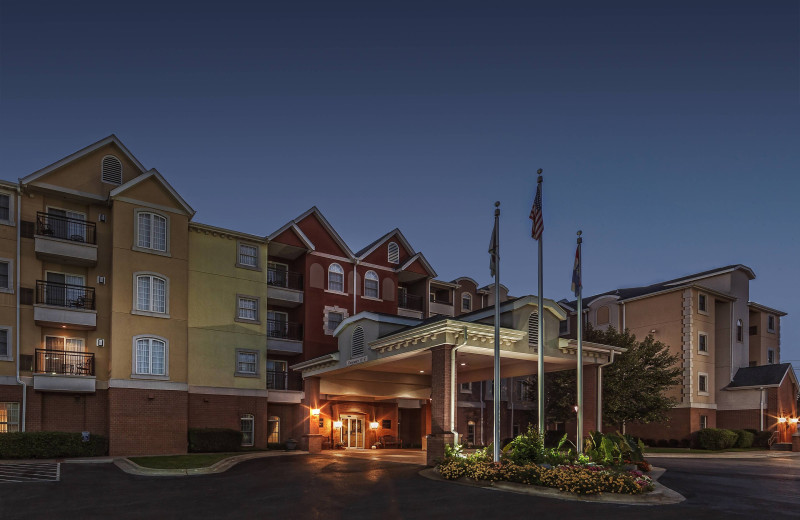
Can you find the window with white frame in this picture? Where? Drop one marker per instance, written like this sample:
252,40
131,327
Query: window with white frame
247,308
5,349
64,343
332,317
5,275
334,320
393,253
273,429
5,208
248,256
9,417
770,323
151,293
335,278
371,284
151,356
702,303
702,383
111,170
702,342
771,356
703,422
151,231
466,302
739,331
246,362
248,429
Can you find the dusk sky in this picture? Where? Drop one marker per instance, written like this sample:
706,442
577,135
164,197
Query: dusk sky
669,132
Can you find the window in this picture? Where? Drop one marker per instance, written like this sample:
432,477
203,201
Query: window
563,327
273,429
247,308
5,208
111,170
248,429
151,356
703,422
246,362
702,343
357,345
771,356
151,293
277,376
465,388
371,284
5,278
533,329
470,433
332,317
5,352
466,302
702,303
739,331
394,253
151,231
335,278
523,390
770,323
334,320
9,417
278,274
702,383
248,256
63,343
278,324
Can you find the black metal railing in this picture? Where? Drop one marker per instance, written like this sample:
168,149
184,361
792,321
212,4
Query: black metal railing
284,330
65,295
409,301
280,380
443,301
67,228
64,362
285,279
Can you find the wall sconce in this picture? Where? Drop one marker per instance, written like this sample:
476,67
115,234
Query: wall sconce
793,420
315,412
782,420
337,424
374,425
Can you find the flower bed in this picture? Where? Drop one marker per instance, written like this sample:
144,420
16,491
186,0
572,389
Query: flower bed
578,479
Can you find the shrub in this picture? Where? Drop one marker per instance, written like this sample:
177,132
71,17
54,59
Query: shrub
50,445
662,443
553,437
214,439
673,443
525,448
684,443
613,449
762,439
716,439
744,438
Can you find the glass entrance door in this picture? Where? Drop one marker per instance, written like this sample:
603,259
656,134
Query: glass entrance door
352,432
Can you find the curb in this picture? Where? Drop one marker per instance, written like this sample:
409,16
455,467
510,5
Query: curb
660,496
128,466
725,455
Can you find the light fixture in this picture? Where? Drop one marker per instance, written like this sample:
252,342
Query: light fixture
315,412
421,371
337,424
374,425
463,364
575,408
793,420
652,331
782,419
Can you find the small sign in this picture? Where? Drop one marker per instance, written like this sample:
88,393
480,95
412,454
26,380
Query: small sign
85,436
356,361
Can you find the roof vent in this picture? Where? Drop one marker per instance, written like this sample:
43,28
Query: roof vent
112,170
357,346
394,253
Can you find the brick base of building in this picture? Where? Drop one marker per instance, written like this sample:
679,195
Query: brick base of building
147,422
226,411
62,412
682,422
435,447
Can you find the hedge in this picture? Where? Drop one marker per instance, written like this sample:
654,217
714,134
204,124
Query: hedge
762,439
214,439
716,439
50,445
744,438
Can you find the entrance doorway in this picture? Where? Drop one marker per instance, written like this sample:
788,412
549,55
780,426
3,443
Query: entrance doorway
352,432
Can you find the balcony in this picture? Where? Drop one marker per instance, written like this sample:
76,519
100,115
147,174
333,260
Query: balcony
63,371
443,307
284,387
284,337
65,240
409,305
64,305
285,287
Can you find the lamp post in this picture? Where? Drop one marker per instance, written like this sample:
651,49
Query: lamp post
578,431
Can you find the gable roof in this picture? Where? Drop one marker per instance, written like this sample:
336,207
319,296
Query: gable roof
760,376
296,230
374,245
325,224
764,308
153,174
422,260
81,153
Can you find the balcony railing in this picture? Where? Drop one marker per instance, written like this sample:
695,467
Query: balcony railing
443,301
67,228
285,279
64,362
280,380
284,330
409,301
65,295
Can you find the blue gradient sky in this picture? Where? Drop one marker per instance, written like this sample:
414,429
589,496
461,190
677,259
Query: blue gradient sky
669,131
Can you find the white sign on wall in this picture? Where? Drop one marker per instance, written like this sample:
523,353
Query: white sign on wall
356,361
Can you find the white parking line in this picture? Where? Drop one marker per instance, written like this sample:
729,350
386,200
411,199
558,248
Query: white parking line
32,472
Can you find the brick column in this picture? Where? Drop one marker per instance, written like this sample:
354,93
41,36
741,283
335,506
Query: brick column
312,439
441,429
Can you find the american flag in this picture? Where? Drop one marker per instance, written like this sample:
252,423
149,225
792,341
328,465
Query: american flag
536,214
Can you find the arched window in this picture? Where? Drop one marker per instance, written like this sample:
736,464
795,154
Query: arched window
533,329
357,345
274,429
335,278
466,302
603,315
394,253
151,231
111,170
151,293
739,330
150,356
248,429
371,284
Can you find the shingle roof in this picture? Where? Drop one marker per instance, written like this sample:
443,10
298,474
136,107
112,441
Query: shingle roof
764,375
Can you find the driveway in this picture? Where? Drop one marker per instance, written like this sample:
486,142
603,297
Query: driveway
354,486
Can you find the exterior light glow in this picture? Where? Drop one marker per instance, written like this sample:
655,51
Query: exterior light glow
782,420
421,371
337,424
373,425
315,412
463,364
793,420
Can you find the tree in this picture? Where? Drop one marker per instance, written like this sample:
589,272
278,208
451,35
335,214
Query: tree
635,385
559,395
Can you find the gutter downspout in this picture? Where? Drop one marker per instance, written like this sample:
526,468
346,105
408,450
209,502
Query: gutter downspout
453,386
483,403
19,237
600,392
355,282
761,406
623,318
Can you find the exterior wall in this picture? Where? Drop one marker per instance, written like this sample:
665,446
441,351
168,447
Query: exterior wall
682,422
147,421
226,411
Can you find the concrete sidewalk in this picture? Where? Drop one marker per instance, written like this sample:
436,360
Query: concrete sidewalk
128,466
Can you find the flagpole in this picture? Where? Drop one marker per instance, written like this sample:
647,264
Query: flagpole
496,389
540,340
579,438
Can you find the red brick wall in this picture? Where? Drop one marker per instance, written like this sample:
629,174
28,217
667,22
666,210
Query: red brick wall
291,419
147,422
226,411
52,411
739,419
682,422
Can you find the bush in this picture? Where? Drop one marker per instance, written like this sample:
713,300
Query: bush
673,443
613,449
716,439
662,443
214,439
552,438
525,448
762,439
744,438
684,443
50,445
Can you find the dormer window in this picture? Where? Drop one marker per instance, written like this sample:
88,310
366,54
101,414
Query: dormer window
466,302
111,170
394,253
